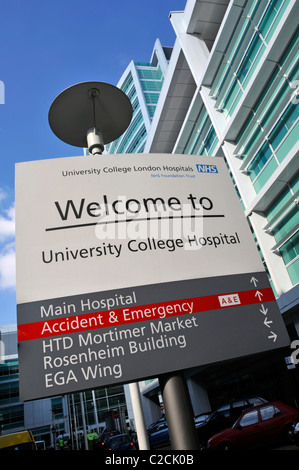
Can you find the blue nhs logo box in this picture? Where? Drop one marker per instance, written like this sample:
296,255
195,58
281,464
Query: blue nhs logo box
207,168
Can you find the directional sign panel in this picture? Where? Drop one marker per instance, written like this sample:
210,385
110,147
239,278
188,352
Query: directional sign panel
132,266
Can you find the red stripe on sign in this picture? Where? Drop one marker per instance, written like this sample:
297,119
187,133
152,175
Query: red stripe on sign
140,313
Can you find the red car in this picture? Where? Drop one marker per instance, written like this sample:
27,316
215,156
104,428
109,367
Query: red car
258,426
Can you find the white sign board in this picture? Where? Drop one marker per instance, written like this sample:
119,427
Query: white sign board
130,266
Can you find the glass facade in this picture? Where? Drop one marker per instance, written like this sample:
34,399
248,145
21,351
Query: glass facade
98,406
267,136
252,35
283,218
272,129
51,417
151,80
142,85
276,147
203,140
11,411
124,141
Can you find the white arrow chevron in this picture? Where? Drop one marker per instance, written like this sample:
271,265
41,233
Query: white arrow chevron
263,309
273,336
258,294
267,322
254,280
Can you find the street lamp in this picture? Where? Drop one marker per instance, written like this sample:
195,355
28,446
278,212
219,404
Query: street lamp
90,114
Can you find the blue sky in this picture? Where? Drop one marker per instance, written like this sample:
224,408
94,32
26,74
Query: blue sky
45,47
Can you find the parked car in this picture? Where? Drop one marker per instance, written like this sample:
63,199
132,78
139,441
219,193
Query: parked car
118,442
199,419
224,417
160,420
261,425
99,443
158,435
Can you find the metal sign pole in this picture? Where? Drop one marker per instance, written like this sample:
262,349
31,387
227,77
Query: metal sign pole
139,417
83,421
179,413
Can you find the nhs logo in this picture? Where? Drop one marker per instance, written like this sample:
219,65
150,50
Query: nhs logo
207,168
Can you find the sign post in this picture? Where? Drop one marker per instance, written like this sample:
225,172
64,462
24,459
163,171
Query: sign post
131,267
179,413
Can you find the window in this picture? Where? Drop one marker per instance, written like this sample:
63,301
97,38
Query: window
9,370
289,221
248,43
134,125
249,418
150,73
284,125
232,96
57,408
279,202
141,134
266,24
151,110
290,250
131,93
260,160
223,412
282,132
151,97
9,392
210,139
269,412
269,104
160,427
239,404
249,57
203,139
12,417
127,83
283,218
151,86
